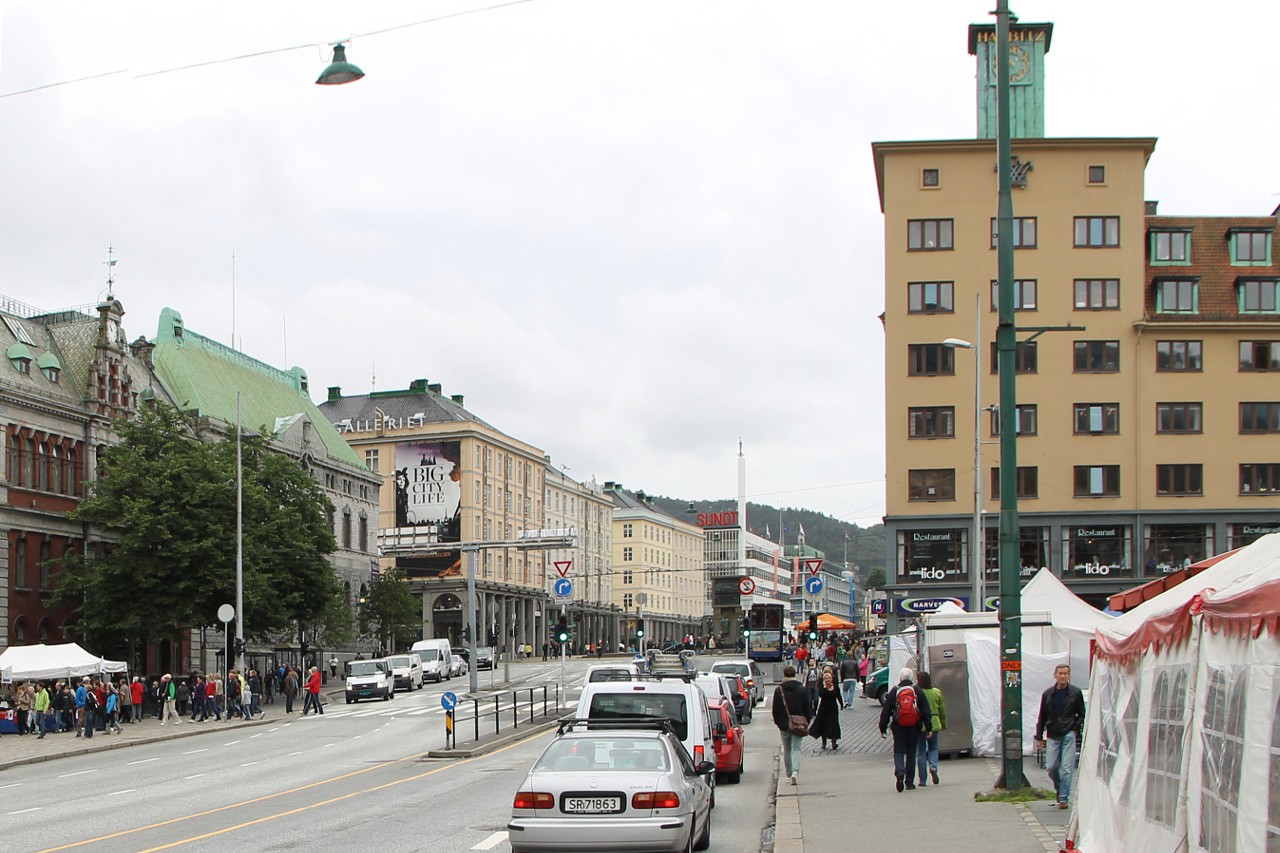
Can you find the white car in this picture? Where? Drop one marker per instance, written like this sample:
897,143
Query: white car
613,787
612,672
407,670
750,672
460,667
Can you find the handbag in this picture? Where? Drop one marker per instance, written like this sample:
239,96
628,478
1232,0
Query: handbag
797,724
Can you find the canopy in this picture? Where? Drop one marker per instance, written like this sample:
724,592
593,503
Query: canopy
828,622
1070,614
25,663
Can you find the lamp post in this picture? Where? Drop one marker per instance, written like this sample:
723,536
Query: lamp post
239,545
977,557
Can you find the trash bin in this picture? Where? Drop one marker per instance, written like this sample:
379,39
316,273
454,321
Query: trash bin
324,677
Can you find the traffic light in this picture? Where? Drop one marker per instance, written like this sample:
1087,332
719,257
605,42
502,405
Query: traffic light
562,631
639,627
239,645
813,625
746,628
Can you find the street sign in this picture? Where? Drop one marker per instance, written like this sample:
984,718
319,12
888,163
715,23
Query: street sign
813,565
813,585
746,586
448,700
564,587
563,566
226,613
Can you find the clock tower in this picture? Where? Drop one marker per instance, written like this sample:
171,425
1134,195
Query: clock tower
1028,44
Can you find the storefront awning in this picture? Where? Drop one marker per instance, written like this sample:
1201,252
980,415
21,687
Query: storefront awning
1131,598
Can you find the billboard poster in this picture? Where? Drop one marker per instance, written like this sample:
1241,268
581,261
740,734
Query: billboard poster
429,487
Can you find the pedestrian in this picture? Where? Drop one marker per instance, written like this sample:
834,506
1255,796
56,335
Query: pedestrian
826,720
23,700
126,701
81,698
137,691
1058,730
290,688
313,693
848,679
112,713
927,747
91,706
168,695
864,669
269,684
66,708
255,694
907,710
41,709
812,678
181,697
198,696
333,666
233,695
791,705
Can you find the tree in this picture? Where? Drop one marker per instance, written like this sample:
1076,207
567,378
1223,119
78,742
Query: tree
169,502
875,578
391,613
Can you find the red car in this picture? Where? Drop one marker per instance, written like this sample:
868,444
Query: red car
729,738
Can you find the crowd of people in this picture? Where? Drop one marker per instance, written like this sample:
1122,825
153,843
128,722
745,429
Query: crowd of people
104,705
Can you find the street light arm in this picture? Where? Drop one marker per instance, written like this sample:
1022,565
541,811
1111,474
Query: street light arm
957,343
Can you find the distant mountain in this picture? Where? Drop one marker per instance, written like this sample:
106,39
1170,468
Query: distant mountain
826,534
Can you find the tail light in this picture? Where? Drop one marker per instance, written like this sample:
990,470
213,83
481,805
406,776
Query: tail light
699,752
728,735
533,800
751,682
743,694
656,800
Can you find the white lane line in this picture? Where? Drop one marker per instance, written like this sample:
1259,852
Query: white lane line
194,751
24,811
77,773
327,745
295,753
144,760
125,791
491,842
259,734
10,785
249,764
196,776
270,730
233,743
420,713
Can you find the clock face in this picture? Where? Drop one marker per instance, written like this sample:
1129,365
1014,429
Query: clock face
1019,65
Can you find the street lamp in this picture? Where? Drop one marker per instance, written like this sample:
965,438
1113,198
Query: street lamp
977,557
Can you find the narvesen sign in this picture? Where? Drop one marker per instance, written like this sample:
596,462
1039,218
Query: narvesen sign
916,606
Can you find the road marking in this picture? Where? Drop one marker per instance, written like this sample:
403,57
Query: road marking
144,760
196,776
296,753
259,734
272,729
77,773
327,745
10,785
250,764
125,791
194,751
24,811
492,841
233,743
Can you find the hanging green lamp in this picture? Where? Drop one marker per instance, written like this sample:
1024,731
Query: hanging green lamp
339,71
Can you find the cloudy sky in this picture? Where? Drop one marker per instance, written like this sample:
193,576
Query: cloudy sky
631,232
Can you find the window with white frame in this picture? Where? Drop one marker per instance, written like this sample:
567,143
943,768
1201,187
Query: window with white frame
1222,736
1165,736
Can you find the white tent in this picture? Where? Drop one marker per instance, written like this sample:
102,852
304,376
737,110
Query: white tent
1182,730
24,663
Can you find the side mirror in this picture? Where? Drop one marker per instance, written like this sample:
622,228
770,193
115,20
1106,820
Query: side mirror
706,768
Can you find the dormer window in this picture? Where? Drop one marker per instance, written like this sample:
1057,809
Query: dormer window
1170,248
1250,248
20,357
51,373
50,367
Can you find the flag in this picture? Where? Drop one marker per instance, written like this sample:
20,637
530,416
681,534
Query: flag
802,531
846,536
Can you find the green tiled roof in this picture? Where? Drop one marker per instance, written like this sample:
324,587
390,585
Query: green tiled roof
205,375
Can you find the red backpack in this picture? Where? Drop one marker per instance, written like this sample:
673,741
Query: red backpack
908,712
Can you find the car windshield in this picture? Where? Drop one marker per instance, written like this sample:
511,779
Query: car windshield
618,674
429,654
608,706
606,753
363,667
733,668
400,660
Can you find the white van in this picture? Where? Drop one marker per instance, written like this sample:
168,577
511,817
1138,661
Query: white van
678,700
437,659
408,670
369,679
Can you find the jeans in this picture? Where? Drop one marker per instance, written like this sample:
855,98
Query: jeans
1060,761
848,686
89,722
791,751
905,739
926,754
288,703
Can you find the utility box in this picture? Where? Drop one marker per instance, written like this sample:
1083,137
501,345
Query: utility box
949,670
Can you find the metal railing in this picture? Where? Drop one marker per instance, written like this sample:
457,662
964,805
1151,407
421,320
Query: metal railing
509,708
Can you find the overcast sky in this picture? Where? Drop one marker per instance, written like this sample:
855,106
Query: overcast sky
629,232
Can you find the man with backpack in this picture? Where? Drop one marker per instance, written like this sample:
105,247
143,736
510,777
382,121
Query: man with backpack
906,708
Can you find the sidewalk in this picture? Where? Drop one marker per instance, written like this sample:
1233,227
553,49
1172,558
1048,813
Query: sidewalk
847,799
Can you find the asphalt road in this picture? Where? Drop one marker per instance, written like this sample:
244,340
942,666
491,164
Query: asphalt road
356,778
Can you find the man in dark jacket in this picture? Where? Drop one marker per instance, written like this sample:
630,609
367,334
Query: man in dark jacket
790,699
909,715
1061,721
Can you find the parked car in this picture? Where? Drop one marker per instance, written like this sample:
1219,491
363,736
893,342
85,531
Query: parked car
877,685
612,672
730,740
369,679
407,670
484,657
616,789
743,703
437,659
749,670
460,665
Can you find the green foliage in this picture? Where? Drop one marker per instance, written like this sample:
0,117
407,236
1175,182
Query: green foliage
391,614
875,578
169,502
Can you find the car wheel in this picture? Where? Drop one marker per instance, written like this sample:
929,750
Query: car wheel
688,842
881,693
713,792
348,701
742,766
704,841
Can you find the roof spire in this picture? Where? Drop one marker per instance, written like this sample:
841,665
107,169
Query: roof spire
111,272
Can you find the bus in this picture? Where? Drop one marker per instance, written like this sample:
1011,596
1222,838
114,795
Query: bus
767,633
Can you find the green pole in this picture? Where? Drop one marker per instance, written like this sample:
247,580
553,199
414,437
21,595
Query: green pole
1006,346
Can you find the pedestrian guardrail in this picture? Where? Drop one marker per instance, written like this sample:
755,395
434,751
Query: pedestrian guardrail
506,710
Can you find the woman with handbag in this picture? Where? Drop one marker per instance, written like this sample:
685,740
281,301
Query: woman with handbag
791,714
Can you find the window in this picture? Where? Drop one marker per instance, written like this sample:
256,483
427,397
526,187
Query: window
371,460
20,564
1179,479
628,554
1257,296
1097,174
1097,356
931,422
1222,736
1178,356
1097,294
1028,483
930,360
1024,357
627,576
1172,248
931,484
1179,417
1024,421
1024,232
930,297
929,235
930,178
628,530
1024,295
1097,481
1164,744
627,601
1250,248
1259,478
346,528
1259,418
51,373
1259,355
1093,232
1097,418
1177,296
364,532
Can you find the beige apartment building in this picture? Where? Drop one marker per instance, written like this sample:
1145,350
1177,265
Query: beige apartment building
1148,347
588,509
659,578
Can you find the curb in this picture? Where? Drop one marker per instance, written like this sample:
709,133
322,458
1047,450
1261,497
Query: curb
788,834
485,747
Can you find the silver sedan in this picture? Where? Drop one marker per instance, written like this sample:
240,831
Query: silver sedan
615,789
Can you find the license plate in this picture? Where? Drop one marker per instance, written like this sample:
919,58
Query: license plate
573,804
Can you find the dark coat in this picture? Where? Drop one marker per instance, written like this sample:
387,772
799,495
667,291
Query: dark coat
826,722
889,711
1069,719
797,702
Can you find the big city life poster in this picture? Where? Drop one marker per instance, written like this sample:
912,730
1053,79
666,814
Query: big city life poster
428,478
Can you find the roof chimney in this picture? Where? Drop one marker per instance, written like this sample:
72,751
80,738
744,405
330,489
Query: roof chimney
457,399
335,393
434,387
418,386
1151,207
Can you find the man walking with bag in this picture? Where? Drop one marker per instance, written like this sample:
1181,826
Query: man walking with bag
1061,721
907,709
791,714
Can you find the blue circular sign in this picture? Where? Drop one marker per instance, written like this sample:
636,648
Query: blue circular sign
564,587
448,700
813,585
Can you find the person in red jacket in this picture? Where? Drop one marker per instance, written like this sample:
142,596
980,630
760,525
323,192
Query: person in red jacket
135,689
313,692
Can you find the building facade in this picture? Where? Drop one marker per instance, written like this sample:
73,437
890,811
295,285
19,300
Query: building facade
771,573
585,507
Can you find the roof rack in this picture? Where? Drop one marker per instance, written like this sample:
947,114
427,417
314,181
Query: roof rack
667,675
663,724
